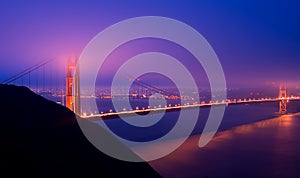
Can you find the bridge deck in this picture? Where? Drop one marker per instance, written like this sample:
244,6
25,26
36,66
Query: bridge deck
129,113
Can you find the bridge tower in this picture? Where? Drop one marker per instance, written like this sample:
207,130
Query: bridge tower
72,87
283,99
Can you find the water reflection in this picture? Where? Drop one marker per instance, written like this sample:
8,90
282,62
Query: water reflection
269,148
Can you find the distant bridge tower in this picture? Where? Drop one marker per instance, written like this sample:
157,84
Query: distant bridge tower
283,99
72,88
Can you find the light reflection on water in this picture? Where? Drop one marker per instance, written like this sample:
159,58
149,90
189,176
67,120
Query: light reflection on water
269,148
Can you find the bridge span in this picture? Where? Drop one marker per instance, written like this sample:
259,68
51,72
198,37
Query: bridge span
170,108
72,94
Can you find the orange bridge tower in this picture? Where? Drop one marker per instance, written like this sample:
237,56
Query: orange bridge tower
283,99
72,87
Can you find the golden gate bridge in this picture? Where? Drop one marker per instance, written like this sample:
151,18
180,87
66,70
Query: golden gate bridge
69,93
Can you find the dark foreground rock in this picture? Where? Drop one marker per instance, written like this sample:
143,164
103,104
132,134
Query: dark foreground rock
39,138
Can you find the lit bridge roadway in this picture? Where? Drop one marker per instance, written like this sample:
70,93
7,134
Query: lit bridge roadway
128,113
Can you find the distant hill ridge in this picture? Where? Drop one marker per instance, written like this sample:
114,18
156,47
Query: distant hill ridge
40,138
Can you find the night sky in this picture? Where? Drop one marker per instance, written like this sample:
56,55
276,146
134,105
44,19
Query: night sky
257,42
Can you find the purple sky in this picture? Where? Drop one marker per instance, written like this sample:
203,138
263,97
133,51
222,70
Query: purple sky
257,42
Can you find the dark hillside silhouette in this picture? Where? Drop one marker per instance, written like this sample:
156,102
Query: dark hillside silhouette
40,138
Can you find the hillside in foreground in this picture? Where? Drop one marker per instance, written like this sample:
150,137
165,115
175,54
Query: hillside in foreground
40,138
